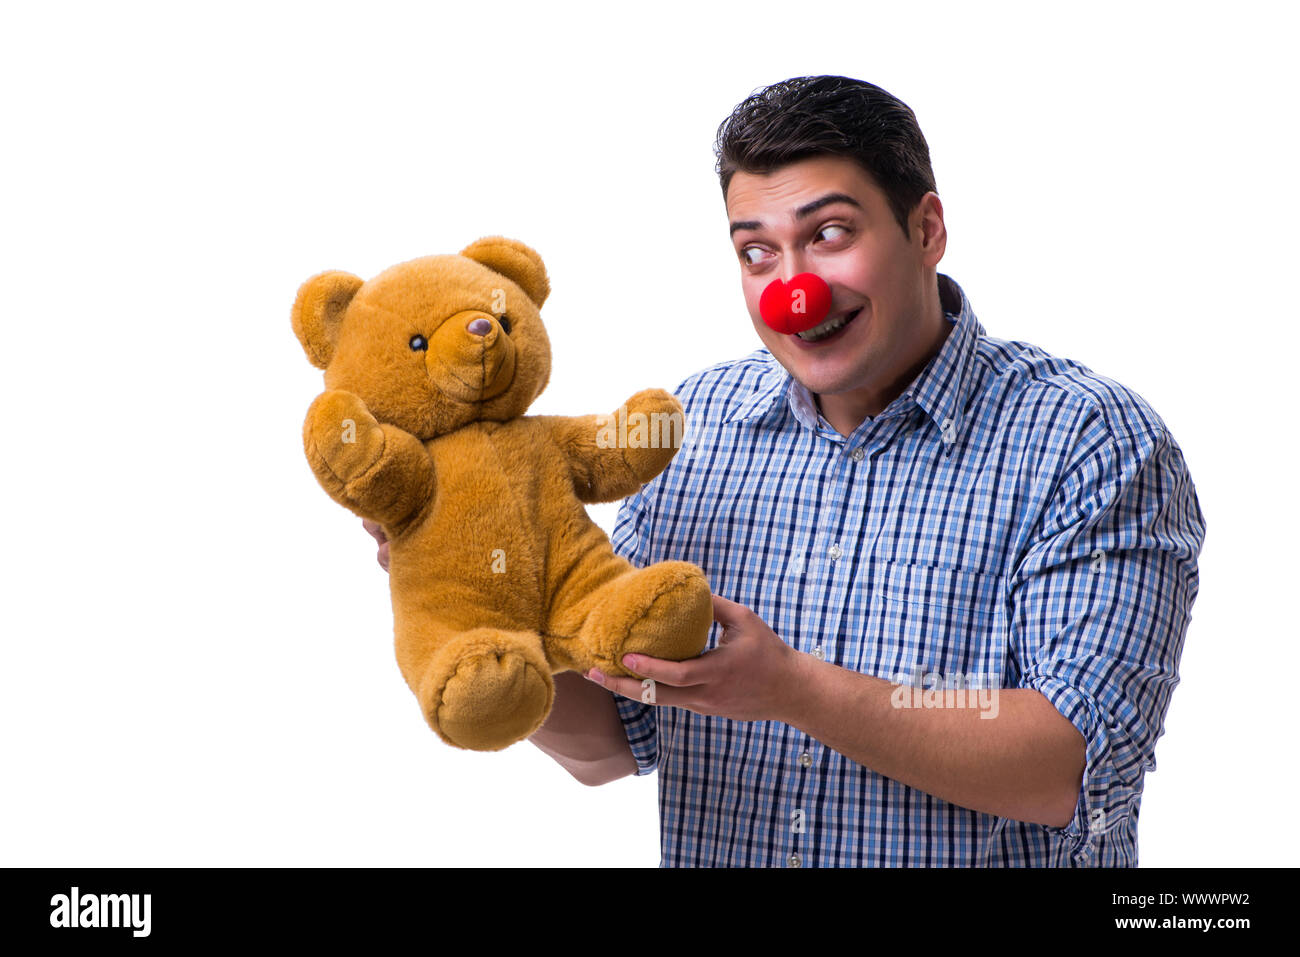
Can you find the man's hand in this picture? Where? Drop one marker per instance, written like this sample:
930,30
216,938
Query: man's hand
750,676
375,529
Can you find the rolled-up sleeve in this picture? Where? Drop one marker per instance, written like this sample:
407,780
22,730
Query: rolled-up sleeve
630,540
1099,606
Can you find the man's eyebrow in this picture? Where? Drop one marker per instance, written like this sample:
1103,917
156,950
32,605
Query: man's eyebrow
826,200
802,212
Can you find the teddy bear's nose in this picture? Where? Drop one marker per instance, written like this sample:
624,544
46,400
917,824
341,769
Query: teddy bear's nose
479,327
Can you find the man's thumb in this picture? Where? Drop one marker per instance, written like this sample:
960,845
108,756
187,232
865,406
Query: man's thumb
728,612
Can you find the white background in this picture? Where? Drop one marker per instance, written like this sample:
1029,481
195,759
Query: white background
197,655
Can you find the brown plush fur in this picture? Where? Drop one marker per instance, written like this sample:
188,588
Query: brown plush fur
499,578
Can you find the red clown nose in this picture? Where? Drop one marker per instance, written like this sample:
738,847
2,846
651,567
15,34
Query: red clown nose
797,305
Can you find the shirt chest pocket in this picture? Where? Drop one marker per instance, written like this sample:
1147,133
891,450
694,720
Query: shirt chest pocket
930,619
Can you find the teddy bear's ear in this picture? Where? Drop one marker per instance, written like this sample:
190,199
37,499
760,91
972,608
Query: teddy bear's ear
515,261
318,312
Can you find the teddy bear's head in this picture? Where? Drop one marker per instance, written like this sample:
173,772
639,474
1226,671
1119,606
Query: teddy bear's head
435,343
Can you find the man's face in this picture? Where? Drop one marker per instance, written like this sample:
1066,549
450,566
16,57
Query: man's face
826,215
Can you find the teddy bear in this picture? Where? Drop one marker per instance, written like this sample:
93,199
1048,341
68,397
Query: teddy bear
499,578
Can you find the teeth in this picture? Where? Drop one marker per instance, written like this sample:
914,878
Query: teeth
826,328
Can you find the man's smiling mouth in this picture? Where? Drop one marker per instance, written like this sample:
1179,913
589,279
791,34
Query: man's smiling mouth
829,327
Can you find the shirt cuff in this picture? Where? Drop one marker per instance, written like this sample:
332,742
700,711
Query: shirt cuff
1091,816
642,729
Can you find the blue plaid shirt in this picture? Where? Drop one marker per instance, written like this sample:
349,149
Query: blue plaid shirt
1011,515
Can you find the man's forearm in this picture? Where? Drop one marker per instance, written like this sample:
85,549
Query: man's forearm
1026,763
584,733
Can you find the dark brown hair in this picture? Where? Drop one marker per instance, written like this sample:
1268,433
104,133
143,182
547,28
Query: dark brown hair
829,116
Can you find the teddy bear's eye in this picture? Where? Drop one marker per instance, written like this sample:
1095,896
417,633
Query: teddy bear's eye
418,343
505,323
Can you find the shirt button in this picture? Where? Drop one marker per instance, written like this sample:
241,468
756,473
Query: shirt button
795,861
857,454
819,654
836,552
805,760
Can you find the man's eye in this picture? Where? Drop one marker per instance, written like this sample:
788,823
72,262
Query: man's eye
418,343
752,255
831,229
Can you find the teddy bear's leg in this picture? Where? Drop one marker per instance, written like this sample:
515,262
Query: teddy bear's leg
482,689
663,610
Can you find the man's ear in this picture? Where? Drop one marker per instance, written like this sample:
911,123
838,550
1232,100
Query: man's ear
318,313
515,261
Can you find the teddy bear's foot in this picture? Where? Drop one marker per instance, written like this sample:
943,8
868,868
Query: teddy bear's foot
488,688
663,610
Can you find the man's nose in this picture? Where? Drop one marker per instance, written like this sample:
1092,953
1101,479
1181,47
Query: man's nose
793,262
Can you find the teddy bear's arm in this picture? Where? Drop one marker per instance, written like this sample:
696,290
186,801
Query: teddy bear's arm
612,456
378,471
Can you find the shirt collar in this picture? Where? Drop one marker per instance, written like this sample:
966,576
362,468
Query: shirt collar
939,391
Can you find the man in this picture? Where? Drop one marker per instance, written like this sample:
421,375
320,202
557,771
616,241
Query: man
957,570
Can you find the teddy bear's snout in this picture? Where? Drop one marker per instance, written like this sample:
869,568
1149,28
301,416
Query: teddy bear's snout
472,357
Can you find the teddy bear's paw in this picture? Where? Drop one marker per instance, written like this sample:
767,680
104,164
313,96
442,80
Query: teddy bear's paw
648,401
647,463
663,610
497,690
341,436
655,426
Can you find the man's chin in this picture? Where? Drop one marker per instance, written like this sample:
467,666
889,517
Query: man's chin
823,374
